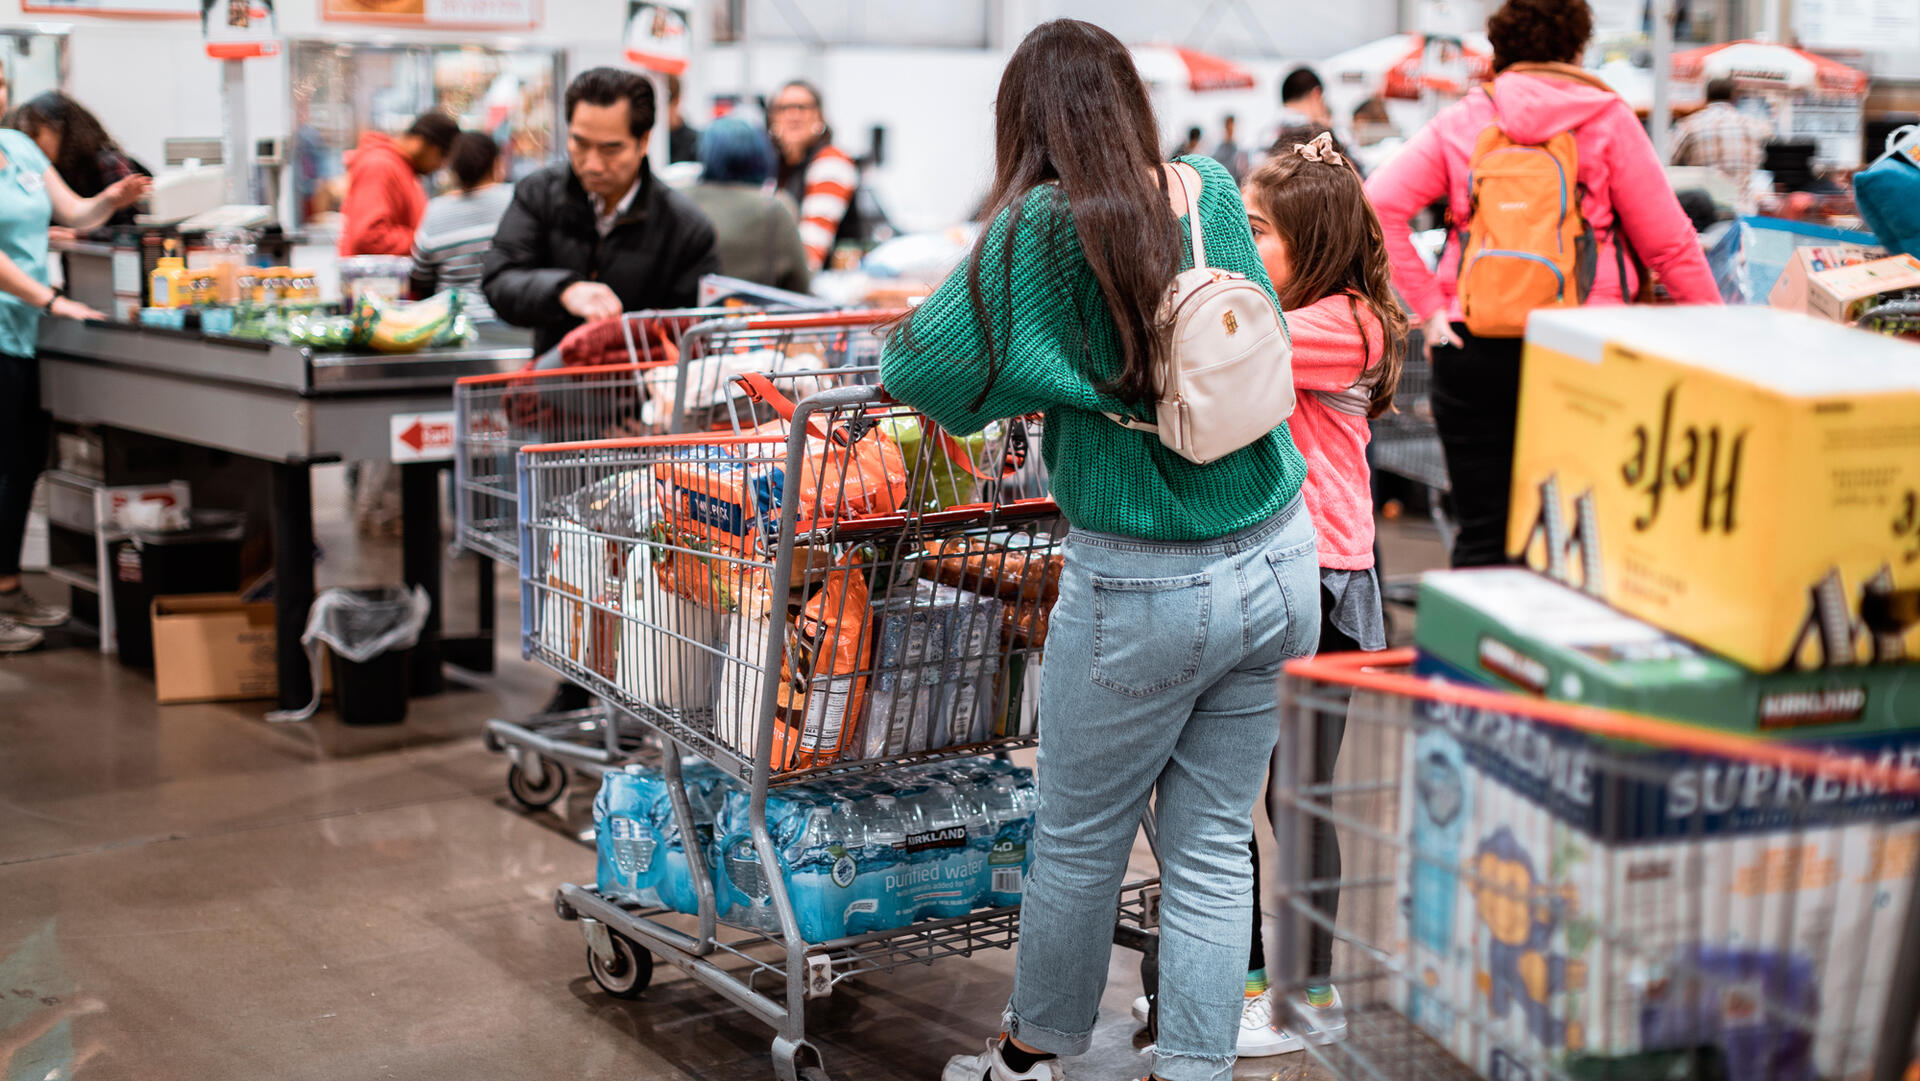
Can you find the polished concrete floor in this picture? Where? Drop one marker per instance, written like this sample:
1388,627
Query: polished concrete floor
187,892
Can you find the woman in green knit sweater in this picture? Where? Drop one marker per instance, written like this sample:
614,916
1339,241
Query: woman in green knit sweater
1185,586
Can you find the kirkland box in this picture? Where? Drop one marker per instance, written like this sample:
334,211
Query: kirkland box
1745,478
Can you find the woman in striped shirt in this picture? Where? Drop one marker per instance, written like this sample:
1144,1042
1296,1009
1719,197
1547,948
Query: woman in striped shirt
458,228
819,176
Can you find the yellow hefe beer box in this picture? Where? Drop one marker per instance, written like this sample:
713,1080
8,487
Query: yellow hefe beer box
1742,477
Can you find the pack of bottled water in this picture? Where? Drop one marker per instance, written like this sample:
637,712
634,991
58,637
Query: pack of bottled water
856,856
642,857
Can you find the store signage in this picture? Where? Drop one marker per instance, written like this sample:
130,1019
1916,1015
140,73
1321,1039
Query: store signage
448,14
658,37
1857,24
421,437
239,29
172,9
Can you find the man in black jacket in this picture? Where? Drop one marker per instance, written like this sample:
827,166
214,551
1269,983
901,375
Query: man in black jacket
599,235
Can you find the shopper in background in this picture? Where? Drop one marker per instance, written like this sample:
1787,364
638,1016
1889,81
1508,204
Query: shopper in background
1185,586
1541,93
32,196
385,200
82,152
1189,145
1323,248
758,237
1303,102
5,89
450,248
1722,138
683,139
1228,153
597,235
819,177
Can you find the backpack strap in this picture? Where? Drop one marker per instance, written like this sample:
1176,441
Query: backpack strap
1192,196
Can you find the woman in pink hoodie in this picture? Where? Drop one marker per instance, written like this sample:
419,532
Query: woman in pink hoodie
1476,380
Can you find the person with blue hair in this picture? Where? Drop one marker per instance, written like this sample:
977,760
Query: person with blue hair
759,238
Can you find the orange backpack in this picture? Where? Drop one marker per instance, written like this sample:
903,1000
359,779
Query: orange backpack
1527,245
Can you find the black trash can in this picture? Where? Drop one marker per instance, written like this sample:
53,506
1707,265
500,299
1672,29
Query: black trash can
202,558
374,691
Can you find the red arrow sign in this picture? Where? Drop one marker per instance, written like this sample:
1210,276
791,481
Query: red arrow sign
414,436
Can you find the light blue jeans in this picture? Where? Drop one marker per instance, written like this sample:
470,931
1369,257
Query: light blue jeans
1161,669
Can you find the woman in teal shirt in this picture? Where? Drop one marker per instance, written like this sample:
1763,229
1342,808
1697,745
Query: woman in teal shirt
32,197
1183,587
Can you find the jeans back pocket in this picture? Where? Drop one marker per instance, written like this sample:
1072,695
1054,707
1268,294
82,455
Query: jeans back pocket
1297,571
1149,633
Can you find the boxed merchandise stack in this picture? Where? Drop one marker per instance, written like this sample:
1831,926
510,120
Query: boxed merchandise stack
855,858
1722,503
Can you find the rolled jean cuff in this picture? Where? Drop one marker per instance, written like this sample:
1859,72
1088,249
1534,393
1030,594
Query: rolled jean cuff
1178,1066
1047,1040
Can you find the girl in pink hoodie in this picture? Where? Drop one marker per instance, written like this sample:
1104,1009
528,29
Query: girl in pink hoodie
1324,249
1625,193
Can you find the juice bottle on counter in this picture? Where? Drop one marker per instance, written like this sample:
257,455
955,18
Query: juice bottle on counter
203,286
246,285
274,282
303,285
170,287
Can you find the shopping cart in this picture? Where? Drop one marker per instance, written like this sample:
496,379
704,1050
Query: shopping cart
844,593
1530,890
1406,444
670,360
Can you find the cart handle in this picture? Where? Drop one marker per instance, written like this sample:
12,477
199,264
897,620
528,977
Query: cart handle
640,442
533,374
1383,673
853,317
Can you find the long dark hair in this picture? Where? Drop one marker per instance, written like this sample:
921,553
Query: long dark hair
1072,115
1334,245
82,138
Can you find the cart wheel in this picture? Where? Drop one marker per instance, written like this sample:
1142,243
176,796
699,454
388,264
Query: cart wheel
539,798
627,975
814,1073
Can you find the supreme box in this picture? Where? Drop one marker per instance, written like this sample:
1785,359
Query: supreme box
212,647
1532,947
1745,478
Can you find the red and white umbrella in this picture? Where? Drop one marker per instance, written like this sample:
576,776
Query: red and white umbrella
1767,66
1405,66
1171,65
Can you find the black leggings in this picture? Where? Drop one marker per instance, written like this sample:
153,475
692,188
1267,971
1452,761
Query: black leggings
1476,400
24,431
1323,845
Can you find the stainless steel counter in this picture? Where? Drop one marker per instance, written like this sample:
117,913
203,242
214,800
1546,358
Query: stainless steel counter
291,407
281,403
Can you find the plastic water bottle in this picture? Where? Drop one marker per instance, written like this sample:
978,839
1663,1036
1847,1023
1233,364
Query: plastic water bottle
1010,811
821,871
945,871
875,901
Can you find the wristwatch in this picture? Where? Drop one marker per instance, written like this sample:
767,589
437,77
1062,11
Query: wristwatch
52,299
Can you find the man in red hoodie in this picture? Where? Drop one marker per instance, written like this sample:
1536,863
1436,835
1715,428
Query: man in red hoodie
384,198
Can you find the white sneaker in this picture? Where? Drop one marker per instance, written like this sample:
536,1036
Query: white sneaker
16,638
989,1066
1141,1009
1320,1024
1259,1036
20,607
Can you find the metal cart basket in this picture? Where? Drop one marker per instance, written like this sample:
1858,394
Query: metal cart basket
836,594
1534,890
673,366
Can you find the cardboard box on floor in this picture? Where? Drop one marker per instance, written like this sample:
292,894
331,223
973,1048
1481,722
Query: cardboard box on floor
1745,478
212,647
